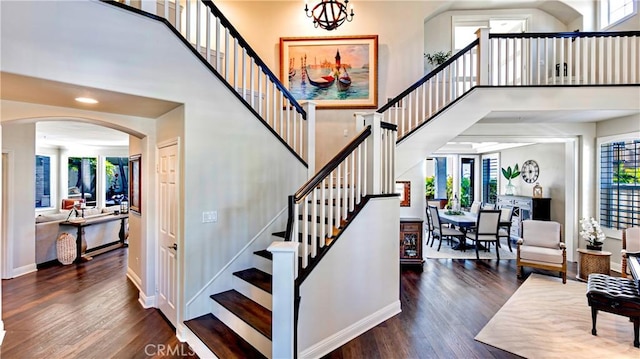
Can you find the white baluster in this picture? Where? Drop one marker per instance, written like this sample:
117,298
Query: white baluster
323,212
314,223
218,54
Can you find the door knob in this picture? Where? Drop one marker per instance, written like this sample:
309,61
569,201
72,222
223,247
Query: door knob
174,247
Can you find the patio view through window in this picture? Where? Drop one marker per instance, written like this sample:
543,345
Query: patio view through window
620,184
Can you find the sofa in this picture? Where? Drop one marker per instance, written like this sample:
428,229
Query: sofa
48,229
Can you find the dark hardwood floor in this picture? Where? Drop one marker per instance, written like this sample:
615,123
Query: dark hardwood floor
85,311
92,311
443,308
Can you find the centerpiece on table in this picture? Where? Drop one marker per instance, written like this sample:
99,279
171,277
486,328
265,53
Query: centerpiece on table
592,233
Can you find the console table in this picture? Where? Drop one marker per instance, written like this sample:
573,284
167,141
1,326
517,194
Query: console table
93,221
524,208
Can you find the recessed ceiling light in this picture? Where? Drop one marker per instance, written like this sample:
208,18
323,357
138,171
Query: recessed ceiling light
86,100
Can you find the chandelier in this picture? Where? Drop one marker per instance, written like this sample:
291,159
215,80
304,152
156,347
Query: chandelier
329,14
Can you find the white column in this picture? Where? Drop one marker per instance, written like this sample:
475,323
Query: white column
310,108
285,271
374,156
483,56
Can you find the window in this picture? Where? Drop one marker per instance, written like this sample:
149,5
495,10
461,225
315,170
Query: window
43,181
82,179
620,184
467,183
489,179
116,179
613,11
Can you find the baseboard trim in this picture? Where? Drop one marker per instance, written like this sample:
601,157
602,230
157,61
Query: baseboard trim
196,344
340,338
616,267
145,301
24,270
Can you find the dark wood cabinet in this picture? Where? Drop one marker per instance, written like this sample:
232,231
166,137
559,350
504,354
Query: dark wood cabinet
411,241
525,208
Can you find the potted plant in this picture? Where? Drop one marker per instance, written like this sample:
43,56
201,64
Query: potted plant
437,58
592,233
510,174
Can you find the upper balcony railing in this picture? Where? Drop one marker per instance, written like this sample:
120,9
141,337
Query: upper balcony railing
534,59
210,34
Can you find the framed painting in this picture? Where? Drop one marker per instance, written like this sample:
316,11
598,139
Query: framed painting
334,72
135,183
404,189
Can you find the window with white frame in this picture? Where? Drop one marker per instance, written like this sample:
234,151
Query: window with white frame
612,11
43,181
620,183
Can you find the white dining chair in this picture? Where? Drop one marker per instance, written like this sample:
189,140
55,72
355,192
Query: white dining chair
475,207
486,230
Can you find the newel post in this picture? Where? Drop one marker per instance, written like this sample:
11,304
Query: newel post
310,108
285,268
483,56
374,153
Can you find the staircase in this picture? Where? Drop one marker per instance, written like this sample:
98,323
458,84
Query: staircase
244,309
241,323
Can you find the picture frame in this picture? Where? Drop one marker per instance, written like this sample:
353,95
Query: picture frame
334,72
404,189
135,183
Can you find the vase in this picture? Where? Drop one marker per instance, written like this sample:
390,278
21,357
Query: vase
511,189
594,248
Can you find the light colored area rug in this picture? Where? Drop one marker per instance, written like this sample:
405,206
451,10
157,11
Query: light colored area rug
546,319
447,253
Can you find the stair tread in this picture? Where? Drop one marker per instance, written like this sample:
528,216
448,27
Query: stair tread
256,277
252,313
220,339
264,254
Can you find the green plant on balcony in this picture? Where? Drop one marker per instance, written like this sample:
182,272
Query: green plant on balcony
437,58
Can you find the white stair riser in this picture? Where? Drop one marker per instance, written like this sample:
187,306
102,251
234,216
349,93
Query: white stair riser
252,292
252,336
263,264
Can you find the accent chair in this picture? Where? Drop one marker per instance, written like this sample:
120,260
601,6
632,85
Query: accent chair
630,244
541,247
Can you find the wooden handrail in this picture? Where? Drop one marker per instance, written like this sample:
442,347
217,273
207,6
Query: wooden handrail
331,165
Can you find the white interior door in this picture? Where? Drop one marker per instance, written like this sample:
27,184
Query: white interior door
167,222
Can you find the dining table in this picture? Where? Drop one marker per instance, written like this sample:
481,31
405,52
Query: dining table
462,220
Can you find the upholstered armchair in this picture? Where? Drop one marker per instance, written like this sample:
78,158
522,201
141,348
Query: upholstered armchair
630,244
541,247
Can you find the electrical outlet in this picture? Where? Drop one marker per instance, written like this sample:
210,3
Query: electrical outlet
209,217
346,133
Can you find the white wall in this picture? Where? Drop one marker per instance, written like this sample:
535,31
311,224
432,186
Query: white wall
223,170
418,202
550,159
19,139
356,285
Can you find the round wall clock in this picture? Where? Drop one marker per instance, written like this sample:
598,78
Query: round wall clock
530,171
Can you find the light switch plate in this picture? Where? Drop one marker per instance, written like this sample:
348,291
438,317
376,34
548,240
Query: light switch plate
209,217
